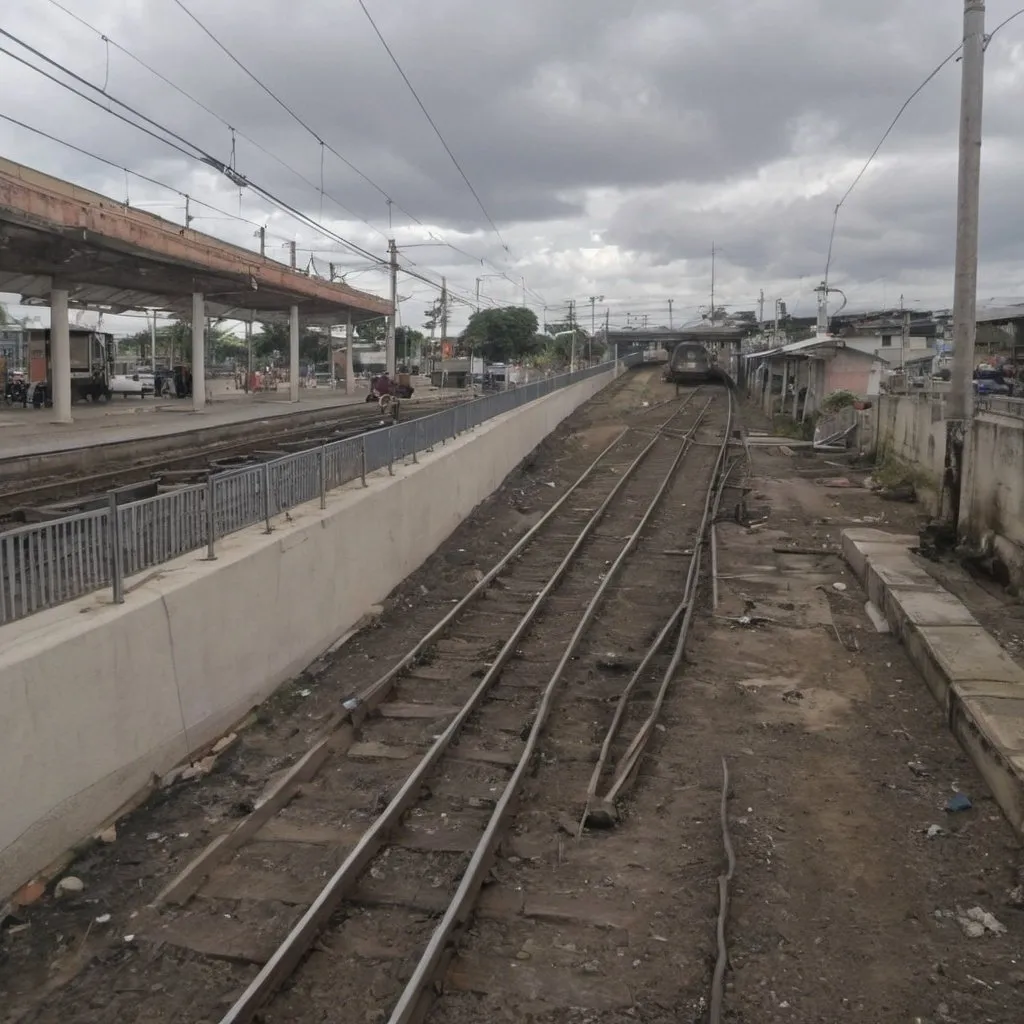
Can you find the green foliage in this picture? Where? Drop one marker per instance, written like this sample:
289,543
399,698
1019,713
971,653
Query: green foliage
837,400
502,335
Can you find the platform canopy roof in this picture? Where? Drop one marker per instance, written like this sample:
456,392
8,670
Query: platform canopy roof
114,258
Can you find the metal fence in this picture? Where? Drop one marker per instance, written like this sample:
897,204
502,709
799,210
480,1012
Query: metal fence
46,564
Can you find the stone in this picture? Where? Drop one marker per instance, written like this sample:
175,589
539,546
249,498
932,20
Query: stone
108,835
199,769
67,886
225,742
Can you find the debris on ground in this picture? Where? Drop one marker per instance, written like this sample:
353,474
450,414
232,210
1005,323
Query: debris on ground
976,922
935,830
878,620
107,836
840,587
69,885
958,802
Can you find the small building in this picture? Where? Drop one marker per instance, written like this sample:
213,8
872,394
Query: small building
797,377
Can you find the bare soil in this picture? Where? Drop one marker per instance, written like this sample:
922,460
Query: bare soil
843,908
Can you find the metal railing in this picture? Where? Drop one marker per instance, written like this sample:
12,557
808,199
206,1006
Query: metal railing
47,564
1000,403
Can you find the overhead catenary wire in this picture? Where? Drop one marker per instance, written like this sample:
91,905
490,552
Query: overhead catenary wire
180,144
432,123
316,135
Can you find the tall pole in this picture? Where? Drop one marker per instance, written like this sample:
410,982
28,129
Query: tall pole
712,284
965,283
263,242
760,310
670,324
444,313
248,349
572,327
390,345
291,255
607,332
152,342
478,280
524,292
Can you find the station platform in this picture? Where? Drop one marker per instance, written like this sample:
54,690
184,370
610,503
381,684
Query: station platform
31,444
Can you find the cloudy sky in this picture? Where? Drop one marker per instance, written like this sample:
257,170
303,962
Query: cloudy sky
612,142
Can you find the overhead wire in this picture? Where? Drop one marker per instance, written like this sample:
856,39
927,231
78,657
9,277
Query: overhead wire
892,124
179,143
432,123
322,141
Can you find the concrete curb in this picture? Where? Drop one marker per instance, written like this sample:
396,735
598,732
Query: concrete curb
980,688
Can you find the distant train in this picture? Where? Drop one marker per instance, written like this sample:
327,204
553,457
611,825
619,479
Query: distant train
690,363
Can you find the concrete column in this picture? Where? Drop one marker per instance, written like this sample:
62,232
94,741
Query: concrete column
198,352
293,355
60,355
350,375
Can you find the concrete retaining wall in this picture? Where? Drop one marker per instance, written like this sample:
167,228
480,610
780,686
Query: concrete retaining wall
98,697
911,429
992,493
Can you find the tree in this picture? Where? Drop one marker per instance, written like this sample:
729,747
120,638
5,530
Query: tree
502,335
434,315
408,343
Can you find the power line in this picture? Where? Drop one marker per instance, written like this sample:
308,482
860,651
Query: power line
432,123
217,117
127,170
186,148
323,142
892,124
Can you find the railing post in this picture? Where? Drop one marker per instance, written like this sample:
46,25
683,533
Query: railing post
362,460
323,476
415,442
391,453
211,519
114,534
266,494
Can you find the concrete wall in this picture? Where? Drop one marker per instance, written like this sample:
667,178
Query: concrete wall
992,493
912,430
97,697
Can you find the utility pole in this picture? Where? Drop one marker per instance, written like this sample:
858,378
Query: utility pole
712,284
775,330
593,325
670,325
965,282
478,280
760,310
248,349
607,333
524,302
572,327
263,242
444,313
291,254
904,337
390,343
152,345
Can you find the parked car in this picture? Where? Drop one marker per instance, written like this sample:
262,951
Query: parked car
991,382
140,384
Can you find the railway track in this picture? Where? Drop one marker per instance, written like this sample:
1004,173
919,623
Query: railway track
17,500
376,845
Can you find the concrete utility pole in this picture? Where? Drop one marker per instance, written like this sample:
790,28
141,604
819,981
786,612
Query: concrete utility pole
594,299
712,284
760,310
350,373
524,295
478,280
572,327
152,342
291,255
263,242
444,313
390,344
965,284
670,325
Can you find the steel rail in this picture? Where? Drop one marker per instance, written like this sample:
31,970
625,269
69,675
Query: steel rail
630,760
442,940
289,954
363,702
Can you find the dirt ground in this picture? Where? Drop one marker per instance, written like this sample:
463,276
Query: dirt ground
843,907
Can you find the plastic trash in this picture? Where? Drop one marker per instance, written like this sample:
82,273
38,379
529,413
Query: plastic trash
958,802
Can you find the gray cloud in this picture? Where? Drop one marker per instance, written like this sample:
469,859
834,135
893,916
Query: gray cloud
636,120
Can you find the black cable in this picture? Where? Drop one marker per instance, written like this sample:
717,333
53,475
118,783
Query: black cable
431,122
320,140
202,106
127,170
